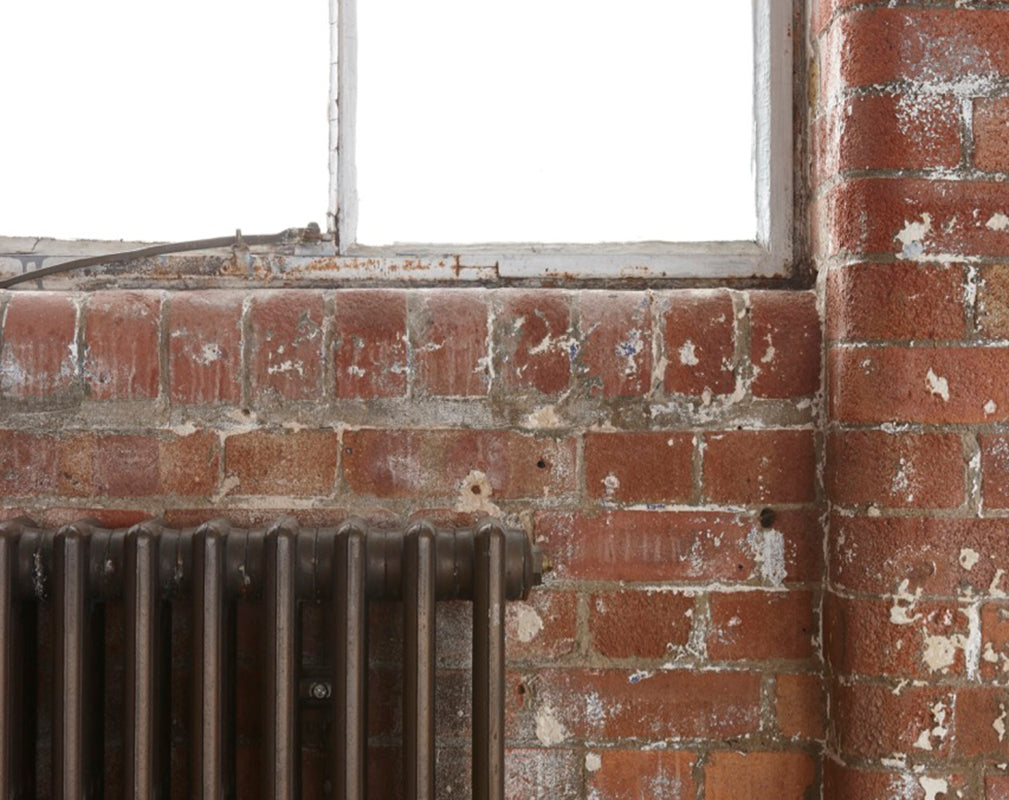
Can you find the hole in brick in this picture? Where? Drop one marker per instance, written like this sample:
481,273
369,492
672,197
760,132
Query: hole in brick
475,489
521,689
348,451
245,412
767,517
541,464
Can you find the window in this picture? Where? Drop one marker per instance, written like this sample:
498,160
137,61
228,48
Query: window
524,139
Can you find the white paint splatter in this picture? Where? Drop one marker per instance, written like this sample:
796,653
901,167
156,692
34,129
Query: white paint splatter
937,385
208,354
474,496
939,652
544,417
990,408
593,762
912,234
903,604
968,558
998,222
933,786
769,353
549,729
527,623
993,589
768,548
999,723
688,354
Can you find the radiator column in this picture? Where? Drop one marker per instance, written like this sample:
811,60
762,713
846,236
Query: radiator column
418,661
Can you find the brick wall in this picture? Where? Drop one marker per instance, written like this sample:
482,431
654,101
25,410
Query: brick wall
659,445
912,157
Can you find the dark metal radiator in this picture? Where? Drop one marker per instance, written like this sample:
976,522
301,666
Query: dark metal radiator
152,570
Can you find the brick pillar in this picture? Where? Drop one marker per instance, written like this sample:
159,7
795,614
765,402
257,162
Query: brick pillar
911,221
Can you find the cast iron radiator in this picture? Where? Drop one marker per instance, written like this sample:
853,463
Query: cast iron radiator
153,571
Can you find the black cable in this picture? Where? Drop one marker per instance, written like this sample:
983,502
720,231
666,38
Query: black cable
239,239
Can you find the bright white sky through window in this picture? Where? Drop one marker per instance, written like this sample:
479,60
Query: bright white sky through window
554,121
130,119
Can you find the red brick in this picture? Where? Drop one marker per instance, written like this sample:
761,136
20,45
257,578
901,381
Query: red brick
616,343
122,344
692,546
640,467
994,641
847,783
996,787
639,624
139,465
640,774
759,466
700,332
995,471
992,309
618,704
888,215
539,772
873,721
895,301
300,463
440,463
905,470
39,464
205,347
975,733
878,554
991,133
802,533
370,343
544,627
884,45
450,343
759,775
918,384
888,132
286,345
533,343
761,626
863,638
800,706
39,355
785,344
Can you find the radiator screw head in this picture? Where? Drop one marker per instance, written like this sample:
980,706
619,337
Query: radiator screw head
320,690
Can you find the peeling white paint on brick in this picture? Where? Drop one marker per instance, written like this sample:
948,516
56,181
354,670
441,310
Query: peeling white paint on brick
998,222
474,495
903,604
528,623
593,762
549,729
999,723
990,408
688,354
768,550
912,234
968,558
937,385
933,786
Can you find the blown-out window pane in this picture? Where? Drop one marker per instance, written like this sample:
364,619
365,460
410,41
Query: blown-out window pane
554,121
128,119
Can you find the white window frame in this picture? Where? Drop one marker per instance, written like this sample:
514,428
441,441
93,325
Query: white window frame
769,255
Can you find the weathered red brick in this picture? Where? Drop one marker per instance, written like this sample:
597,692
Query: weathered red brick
991,133
994,641
939,556
39,355
887,45
121,345
761,625
676,545
640,467
444,463
898,637
700,336
848,783
995,471
918,384
785,344
285,342
759,466
553,772
617,703
758,775
370,343
136,465
639,624
975,732
800,705
542,627
616,342
205,347
895,301
534,347
39,464
996,787
917,218
897,470
451,344
992,309
301,463
888,132
640,774
873,721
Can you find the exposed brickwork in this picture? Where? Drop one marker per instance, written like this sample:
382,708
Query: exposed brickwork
785,343
649,467
39,356
370,344
751,776
205,348
700,343
617,342
991,133
120,332
286,333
